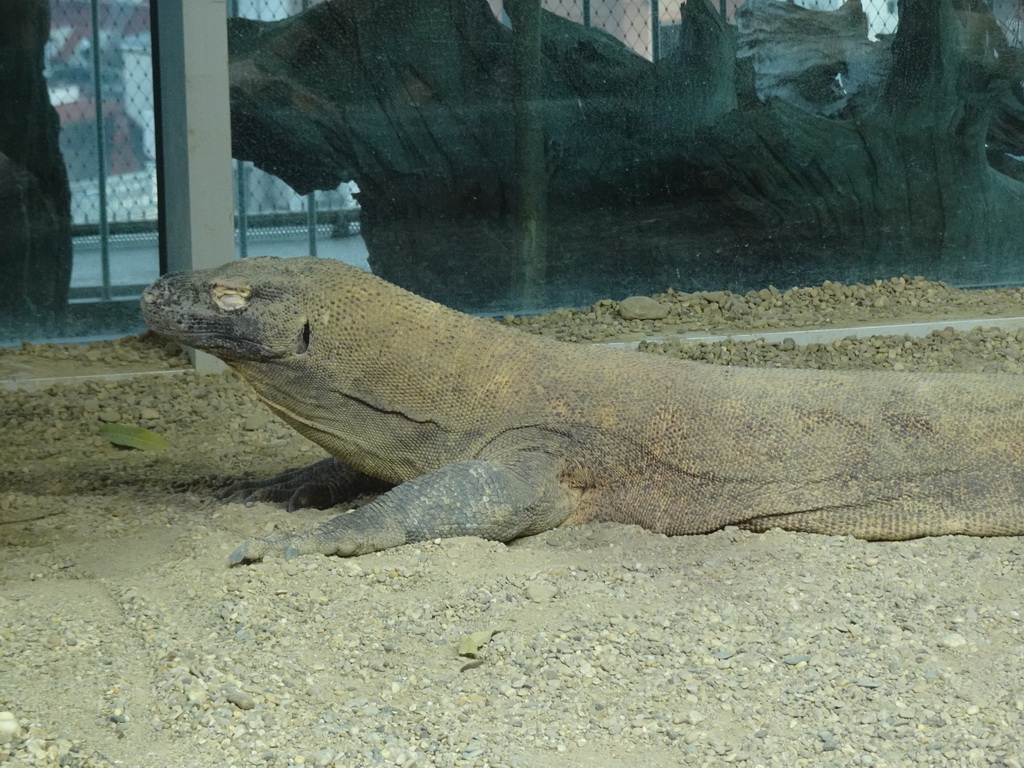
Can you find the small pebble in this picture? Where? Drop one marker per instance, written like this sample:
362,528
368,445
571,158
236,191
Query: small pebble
9,728
952,640
241,699
540,590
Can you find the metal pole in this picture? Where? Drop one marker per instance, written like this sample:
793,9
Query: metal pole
530,196
158,136
311,221
101,151
196,135
586,13
655,31
241,183
311,197
242,207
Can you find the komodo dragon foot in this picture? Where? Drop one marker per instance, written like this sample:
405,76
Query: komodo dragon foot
320,485
468,498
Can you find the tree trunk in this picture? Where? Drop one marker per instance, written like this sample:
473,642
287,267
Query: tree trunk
35,200
531,185
751,156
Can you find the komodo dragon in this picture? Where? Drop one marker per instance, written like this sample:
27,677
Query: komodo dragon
482,430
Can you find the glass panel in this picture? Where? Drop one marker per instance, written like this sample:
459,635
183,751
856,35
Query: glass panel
509,160
91,70
612,147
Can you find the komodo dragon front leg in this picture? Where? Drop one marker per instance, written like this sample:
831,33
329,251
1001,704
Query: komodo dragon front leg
492,500
320,485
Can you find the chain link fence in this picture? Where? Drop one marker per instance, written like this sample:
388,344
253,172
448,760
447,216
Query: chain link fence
98,66
99,72
99,69
651,27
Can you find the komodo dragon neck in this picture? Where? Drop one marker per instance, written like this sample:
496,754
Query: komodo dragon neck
408,373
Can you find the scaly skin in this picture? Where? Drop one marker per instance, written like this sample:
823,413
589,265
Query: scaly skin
482,430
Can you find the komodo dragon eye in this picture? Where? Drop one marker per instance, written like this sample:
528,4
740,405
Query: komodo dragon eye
302,343
230,297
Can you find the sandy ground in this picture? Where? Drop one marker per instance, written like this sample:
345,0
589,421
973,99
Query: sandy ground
126,640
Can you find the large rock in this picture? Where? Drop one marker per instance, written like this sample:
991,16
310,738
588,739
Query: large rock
642,308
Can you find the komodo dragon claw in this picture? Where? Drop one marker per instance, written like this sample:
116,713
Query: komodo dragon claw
291,546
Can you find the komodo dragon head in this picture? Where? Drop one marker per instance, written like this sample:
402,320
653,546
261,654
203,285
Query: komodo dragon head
244,311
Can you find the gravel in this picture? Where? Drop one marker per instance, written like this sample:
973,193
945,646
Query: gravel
907,299
979,350
126,641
